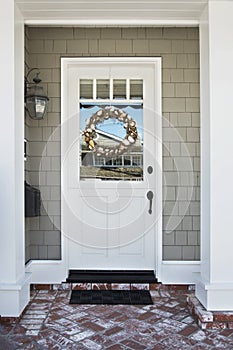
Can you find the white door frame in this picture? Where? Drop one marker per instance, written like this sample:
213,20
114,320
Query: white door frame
156,61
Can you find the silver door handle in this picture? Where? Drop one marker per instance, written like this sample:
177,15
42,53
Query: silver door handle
150,196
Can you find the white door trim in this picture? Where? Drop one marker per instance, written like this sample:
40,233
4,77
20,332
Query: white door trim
123,13
65,63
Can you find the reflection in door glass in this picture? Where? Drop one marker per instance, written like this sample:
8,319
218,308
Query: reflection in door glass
111,146
103,89
136,89
119,89
86,89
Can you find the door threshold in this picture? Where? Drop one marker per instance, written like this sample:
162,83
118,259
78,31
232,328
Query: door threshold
111,276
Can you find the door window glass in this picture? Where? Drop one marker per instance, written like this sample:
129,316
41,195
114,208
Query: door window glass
111,141
119,89
136,89
103,89
86,89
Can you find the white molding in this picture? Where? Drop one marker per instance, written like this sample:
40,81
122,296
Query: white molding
66,62
100,59
179,272
47,271
214,296
118,12
15,296
171,272
214,286
159,180
114,23
14,283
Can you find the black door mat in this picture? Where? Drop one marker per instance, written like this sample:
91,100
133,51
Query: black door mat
111,276
111,297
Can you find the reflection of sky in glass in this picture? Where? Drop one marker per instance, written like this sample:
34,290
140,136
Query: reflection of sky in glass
113,126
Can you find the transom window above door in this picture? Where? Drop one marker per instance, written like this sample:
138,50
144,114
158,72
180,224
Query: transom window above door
111,89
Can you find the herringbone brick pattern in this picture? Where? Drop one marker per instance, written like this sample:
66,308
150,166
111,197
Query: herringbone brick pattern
50,322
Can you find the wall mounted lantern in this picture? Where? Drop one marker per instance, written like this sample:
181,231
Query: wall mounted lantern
36,100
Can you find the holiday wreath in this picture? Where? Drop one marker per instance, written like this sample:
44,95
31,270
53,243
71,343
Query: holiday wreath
110,112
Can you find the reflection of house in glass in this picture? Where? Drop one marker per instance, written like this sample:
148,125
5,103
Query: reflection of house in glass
127,166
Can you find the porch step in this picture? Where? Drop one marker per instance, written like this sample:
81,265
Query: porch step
111,276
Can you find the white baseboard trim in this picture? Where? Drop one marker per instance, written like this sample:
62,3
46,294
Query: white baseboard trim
14,297
171,272
214,296
179,272
47,271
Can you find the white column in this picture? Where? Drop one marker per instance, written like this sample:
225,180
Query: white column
214,287
14,283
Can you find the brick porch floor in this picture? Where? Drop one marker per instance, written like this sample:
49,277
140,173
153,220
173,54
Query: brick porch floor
49,322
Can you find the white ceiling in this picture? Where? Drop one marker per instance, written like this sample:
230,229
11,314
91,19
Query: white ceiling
111,12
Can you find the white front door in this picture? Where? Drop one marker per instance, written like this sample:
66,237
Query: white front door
111,162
